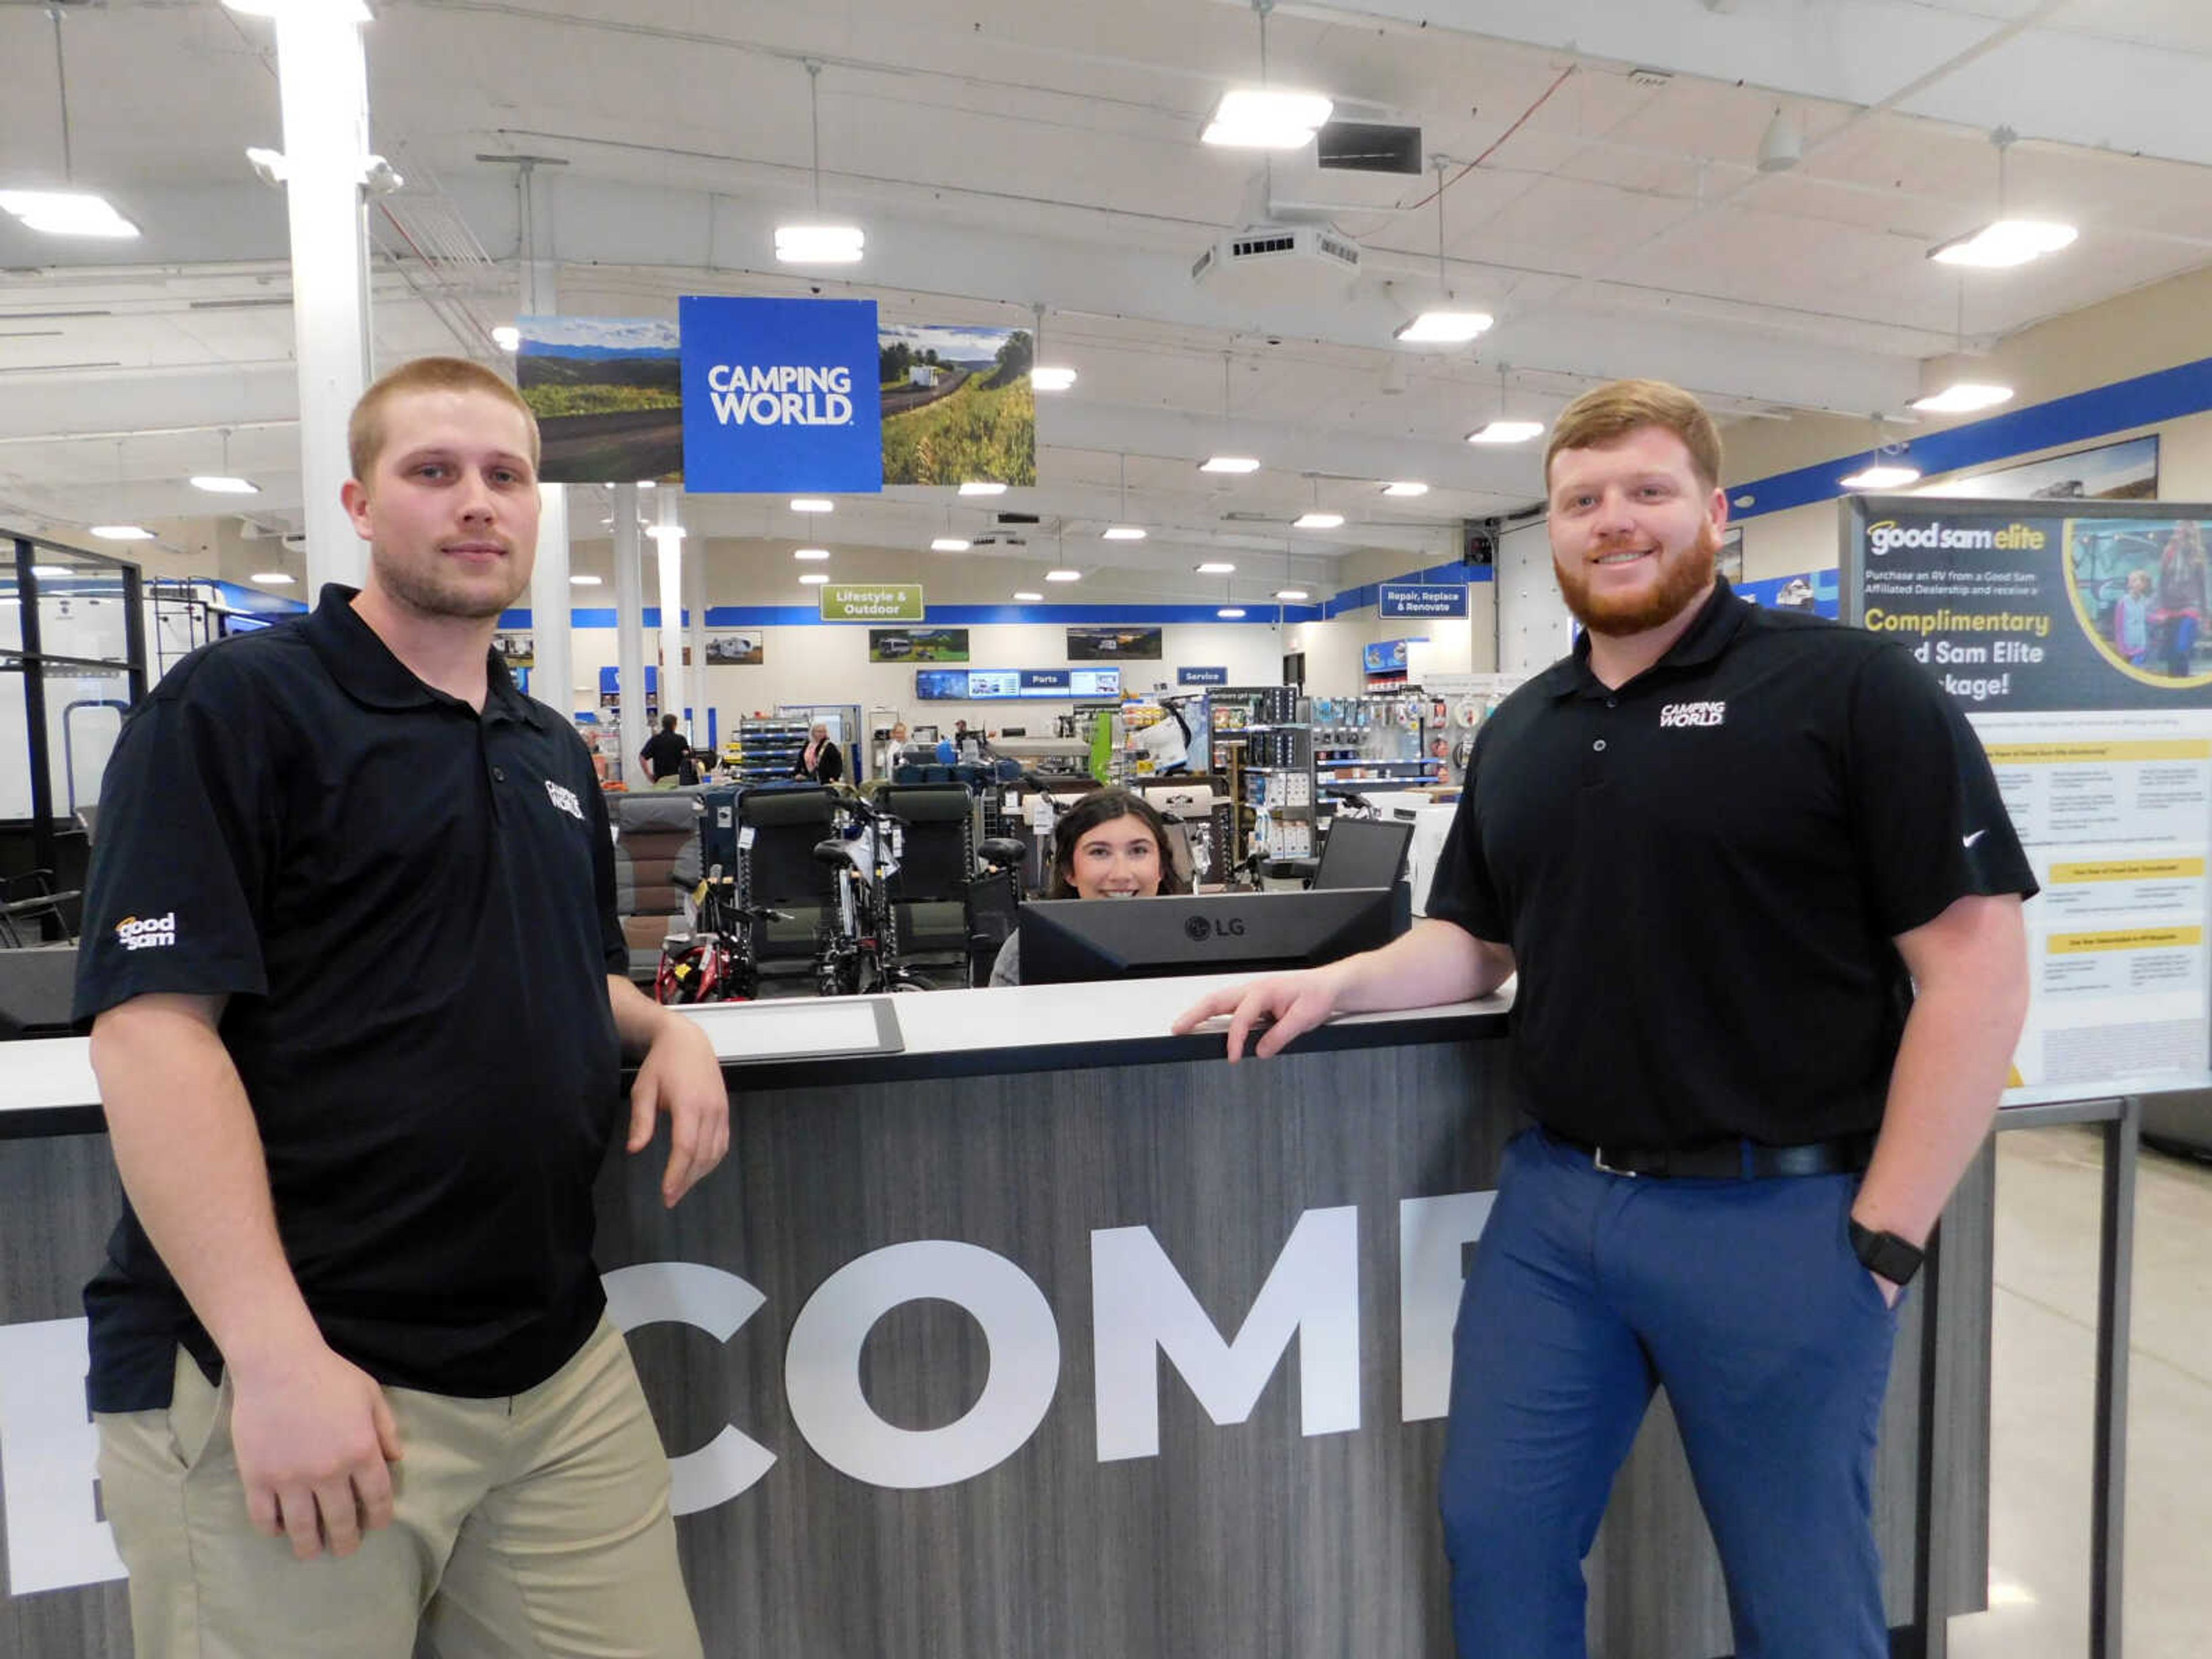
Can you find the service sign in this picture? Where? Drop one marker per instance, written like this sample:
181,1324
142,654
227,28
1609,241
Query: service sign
1420,600
1202,677
871,602
780,395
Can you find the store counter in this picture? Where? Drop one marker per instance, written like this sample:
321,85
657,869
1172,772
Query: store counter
1021,1327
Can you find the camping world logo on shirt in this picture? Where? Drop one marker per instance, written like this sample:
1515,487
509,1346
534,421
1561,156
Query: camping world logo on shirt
146,933
1692,713
565,800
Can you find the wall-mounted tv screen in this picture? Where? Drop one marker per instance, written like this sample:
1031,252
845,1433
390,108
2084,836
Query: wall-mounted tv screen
998,684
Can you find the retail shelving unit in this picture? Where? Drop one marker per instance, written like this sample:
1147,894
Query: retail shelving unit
1377,743
766,749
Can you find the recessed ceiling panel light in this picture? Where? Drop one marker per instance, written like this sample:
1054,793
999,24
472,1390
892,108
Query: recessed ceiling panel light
813,504
950,544
820,244
1881,477
271,578
1507,432
1251,119
66,213
1026,597
122,532
1317,521
1292,594
813,578
1063,575
1123,532
1229,613
1216,568
1963,398
580,581
2004,243
217,485
1043,378
981,487
810,553
1443,327
1229,464
1405,487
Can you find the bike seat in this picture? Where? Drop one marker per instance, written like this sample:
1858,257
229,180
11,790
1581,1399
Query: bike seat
831,853
1000,850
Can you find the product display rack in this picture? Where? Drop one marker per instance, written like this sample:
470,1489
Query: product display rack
1263,739
764,749
1375,742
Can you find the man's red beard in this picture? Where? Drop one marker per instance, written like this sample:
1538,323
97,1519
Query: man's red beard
1682,577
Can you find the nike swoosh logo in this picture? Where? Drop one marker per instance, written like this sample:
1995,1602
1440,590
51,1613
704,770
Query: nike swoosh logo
1970,840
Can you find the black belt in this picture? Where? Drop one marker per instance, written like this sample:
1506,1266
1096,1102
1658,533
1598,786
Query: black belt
1729,1160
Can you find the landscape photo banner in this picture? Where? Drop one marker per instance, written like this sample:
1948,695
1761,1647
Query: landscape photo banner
958,406
779,395
608,394
2029,606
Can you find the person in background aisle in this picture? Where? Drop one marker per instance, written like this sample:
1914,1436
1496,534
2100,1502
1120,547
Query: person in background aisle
2184,597
819,762
1110,844
359,1005
1709,829
666,754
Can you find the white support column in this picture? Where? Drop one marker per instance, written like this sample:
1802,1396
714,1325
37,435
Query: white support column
322,80
630,634
694,636
671,543
551,680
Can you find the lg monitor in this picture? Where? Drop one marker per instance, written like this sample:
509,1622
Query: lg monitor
1065,941
1363,853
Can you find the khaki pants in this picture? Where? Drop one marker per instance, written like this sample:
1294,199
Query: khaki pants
525,1528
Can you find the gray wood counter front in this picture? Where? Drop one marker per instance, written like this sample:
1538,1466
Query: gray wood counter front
1050,1335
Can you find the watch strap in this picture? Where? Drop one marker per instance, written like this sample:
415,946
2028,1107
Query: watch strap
1886,1254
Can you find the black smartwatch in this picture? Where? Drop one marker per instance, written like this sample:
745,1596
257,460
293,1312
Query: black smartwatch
1886,1254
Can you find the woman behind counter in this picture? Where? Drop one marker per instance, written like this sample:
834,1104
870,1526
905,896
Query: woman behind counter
1110,844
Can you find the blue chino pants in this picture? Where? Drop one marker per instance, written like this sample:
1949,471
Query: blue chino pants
1744,1300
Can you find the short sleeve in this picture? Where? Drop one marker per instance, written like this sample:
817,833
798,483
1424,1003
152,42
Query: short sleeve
1462,892
612,945
1927,818
189,826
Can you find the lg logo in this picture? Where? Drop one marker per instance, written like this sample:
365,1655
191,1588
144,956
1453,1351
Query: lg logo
1142,1310
1199,929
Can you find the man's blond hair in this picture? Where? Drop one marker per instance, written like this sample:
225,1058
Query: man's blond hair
365,428
1612,411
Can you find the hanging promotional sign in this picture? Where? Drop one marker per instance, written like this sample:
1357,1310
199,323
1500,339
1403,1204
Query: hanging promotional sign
2073,639
780,395
608,395
1420,600
871,602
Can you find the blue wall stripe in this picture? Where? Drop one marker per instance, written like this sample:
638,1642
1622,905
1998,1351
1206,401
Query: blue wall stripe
2164,395
1260,612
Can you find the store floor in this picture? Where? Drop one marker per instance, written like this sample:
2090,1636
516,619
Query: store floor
2042,1381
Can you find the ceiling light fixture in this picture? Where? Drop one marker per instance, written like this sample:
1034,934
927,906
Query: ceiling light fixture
1505,430
349,11
219,485
1229,464
1124,532
1292,594
1063,575
1215,568
122,532
507,337
812,504
666,532
817,243
809,555
580,581
1231,613
1046,378
813,578
272,578
1317,521
981,487
1027,597
1444,324
49,573
950,544
1405,487
2004,241
1963,397
1262,118
70,212
1882,473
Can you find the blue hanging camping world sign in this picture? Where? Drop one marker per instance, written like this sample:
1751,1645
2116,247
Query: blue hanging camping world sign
780,395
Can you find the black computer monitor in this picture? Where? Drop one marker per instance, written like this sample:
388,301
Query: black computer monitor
1363,853
1069,940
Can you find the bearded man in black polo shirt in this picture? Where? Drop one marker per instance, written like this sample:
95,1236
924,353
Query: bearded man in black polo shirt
358,1082
1755,874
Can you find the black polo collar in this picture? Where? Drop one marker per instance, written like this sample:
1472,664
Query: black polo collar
363,664
1715,625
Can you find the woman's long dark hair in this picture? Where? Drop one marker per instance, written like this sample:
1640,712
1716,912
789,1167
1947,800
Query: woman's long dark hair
1103,806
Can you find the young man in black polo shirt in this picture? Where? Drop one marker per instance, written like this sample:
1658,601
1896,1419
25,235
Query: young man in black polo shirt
1764,900
359,1081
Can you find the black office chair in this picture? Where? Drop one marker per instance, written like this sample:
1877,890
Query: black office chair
33,910
777,870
